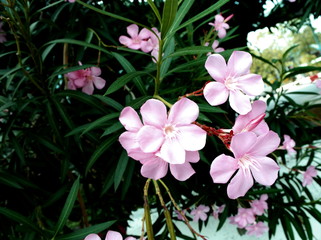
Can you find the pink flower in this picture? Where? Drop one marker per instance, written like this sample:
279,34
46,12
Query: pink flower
71,1
218,210
317,82
233,81
244,217
200,213
249,161
136,39
288,144
86,79
163,139
220,25
308,175
256,229
259,206
2,34
216,48
253,121
111,235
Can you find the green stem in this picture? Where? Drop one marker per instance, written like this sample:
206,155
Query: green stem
149,227
159,66
163,100
168,218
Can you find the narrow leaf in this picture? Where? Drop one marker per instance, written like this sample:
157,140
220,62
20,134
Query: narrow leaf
120,169
169,13
155,10
82,233
67,207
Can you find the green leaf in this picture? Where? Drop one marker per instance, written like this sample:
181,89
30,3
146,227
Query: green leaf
181,13
211,109
110,102
190,51
82,233
99,151
110,14
50,145
155,10
113,128
123,80
188,66
120,169
167,61
84,98
130,68
9,181
299,70
206,12
169,13
70,201
100,121
138,102
17,217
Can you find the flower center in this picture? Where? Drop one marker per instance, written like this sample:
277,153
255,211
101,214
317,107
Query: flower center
170,131
246,161
231,83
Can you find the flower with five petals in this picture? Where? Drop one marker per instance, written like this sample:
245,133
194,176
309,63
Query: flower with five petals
249,161
233,81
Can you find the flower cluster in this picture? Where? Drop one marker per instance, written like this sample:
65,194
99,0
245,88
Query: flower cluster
288,144
220,25
85,79
246,217
163,139
145,40
201,212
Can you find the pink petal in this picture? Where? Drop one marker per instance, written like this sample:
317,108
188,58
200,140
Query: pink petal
144,34
130,119
221,33
265,144
192,157
219,18
150,138
184,111
240,184
88,88
251,84
92,237
265,171
132,30
243,142
146,46
95,71
216,67
128,141
112,235
239,63
181,172
192,137
99,82
215,93
154,169
222,168
125,40
154,113
130,238
172,152
239,102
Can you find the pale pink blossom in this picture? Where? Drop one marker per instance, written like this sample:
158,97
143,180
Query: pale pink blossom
233,81
253,121
111,235
216,48
220,25
137,39
256,229
218,210
163,138
2,34
200,213
71,1
288,144
308,175
259,206
244,217
249,161
179,215
86,79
